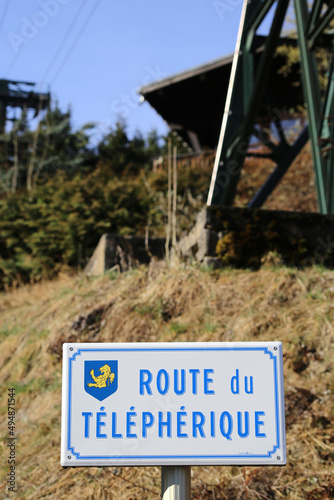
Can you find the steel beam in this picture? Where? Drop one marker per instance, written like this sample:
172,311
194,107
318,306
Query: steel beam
275,177
317,24
230,155
326,134
312,97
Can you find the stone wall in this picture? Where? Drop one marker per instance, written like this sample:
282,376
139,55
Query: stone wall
241,237
244,236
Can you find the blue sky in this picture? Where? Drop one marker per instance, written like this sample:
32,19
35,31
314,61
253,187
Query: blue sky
95,54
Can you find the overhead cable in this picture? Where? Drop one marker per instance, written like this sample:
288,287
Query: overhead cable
67,34
75,41
3,15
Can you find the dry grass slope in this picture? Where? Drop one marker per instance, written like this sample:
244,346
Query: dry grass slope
162,304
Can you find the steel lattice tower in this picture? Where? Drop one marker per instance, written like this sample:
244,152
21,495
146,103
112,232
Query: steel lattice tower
248,90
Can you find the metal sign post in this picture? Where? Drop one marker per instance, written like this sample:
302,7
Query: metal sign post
175,483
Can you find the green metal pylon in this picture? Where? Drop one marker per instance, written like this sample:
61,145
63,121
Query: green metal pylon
245,96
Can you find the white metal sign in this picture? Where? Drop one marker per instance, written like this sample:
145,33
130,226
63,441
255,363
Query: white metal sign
173,404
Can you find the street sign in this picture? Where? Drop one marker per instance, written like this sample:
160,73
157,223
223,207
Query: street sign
173,404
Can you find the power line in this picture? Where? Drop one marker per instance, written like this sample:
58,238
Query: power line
13,61
89,17
68,32
3,15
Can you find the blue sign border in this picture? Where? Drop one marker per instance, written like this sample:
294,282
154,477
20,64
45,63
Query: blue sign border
173,349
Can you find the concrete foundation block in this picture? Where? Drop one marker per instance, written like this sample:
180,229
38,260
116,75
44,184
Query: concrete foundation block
124,252
200,242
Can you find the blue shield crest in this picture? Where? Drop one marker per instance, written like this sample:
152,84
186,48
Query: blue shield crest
101,378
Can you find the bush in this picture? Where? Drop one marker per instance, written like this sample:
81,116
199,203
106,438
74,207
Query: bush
59,224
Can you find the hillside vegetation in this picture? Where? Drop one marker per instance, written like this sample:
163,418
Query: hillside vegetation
67,194
176,304
57,225
61,190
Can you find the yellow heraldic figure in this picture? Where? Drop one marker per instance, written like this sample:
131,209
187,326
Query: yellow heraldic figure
104,379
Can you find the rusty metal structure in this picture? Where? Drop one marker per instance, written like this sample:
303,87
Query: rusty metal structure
249,91
22,95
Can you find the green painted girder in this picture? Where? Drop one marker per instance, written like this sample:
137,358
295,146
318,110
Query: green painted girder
246,93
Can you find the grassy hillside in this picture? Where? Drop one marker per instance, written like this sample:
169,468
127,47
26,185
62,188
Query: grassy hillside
162,304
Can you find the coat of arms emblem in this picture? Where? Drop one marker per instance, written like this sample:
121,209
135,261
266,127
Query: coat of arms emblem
101,378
